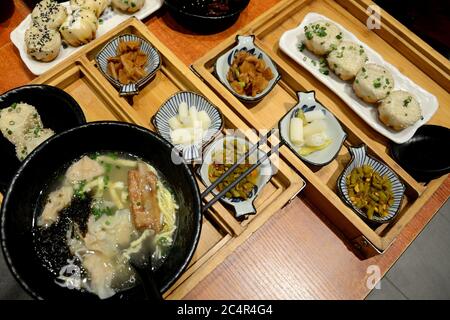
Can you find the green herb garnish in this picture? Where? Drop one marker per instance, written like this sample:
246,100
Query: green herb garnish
98,212
106,181
407,101
376,84
301,47
107,167
113,155
324,71
79,192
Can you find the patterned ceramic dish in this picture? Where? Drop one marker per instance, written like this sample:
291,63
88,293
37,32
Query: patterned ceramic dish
242,207
110,50
170,108
359,158
224,62
307,102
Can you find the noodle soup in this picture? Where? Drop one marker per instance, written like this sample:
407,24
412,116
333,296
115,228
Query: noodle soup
101,211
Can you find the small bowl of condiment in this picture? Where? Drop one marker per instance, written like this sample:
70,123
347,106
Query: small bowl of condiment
370,187
220,157
246,70
206,16
129,62
189,121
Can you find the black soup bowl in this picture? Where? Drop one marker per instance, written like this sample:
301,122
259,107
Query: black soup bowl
20,205
57,109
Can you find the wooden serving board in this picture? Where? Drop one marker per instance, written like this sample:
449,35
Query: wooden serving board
221,232
399,47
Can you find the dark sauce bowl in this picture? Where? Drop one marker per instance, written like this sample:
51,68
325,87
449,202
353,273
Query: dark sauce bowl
57,109
38,171
424,155
199,16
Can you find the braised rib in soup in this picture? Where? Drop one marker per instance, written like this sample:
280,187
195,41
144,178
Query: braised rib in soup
99,212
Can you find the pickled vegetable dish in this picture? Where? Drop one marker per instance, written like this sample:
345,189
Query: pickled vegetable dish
308,131
369,191
248,74
223,160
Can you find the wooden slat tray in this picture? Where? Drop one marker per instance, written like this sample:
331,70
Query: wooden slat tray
221,231
399,47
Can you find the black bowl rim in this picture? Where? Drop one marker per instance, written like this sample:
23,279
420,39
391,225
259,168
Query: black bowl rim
212,18
30,158
73,104
351,205
394,147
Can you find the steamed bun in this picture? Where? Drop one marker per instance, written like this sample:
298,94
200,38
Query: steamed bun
399,110
373,83
322,36
347,59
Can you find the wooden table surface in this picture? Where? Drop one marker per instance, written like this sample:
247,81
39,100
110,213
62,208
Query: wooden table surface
298,254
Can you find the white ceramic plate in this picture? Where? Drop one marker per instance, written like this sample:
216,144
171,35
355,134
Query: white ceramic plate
110,18
289,43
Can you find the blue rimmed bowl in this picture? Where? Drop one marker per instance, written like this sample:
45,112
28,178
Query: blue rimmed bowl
110,50
224,62
307,102
360,158
170,108
241,207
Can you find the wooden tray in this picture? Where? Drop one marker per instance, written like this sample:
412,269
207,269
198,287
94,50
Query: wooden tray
221,231
399,47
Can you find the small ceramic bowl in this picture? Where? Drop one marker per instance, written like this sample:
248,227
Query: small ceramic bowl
110,50
170,108
193,14
307,102
359,158
224,62
242,207
422,155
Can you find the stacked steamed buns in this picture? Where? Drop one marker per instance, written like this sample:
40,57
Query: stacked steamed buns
372,83
52,23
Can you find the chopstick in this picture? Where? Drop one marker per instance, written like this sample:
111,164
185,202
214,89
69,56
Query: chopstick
234,166
241,177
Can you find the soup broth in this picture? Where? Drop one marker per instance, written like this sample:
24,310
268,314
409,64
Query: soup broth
103,210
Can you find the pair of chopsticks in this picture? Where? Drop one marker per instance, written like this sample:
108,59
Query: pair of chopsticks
211,187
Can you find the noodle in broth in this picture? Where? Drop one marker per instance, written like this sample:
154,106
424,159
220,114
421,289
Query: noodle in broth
99,214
